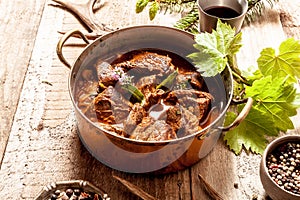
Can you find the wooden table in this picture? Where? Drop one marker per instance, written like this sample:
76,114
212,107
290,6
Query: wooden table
38,136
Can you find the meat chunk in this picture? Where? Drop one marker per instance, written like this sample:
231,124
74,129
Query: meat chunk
182,121
189,123
190,80
147,63
174,116
197,102
153,98
147,84
196,80
153,130
106,74
134,118
111,107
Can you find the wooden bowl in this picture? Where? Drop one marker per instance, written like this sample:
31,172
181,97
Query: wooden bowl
85,186
271,187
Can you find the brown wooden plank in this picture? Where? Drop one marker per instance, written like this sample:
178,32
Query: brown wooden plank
19,23
44,146
44,139
175,186
290,17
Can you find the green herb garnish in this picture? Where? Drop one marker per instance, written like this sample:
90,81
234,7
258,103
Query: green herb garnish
136,93
140,5
271,86
188,9
154,7
168,82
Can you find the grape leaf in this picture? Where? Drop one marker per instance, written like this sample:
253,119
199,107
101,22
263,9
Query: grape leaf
214,49
251,132
253,75
270,84
275,98
275,101
296,101
207,65
286,62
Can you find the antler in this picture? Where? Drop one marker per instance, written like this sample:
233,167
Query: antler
84,12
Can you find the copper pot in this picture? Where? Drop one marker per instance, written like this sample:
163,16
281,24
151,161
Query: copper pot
135,156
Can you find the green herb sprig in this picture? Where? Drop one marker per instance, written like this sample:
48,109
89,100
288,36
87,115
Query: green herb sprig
272,86
190,16
168,82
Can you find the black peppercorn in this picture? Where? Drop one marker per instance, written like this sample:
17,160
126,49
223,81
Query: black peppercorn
77,192
53,197
69,192
284,166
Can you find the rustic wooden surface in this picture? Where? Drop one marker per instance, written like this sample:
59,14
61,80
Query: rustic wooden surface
38,136
19,22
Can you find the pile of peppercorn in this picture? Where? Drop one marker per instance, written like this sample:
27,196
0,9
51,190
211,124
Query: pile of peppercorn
283,165
76,194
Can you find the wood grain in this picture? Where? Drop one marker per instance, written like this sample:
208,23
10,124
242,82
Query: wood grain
19,22
290,17
43,144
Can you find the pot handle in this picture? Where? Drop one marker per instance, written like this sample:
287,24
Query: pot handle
62,41
240,117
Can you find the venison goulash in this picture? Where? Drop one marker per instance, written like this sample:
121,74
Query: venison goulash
147,95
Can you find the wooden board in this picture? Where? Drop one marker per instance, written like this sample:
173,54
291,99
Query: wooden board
19,24
43,143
